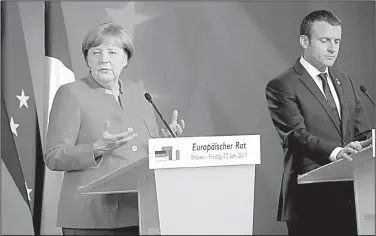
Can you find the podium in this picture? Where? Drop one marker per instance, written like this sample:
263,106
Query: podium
362,171
184,189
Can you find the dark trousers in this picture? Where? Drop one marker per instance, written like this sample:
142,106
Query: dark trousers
342,227
324,209
131,230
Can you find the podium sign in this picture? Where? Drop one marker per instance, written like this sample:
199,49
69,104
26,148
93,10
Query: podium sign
204,151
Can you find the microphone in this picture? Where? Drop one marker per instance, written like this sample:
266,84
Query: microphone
149,99
364,90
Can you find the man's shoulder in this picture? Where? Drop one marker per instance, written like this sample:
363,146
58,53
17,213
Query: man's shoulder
286,77
340,73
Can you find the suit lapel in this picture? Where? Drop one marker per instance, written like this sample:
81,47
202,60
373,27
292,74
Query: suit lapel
312,87
337,82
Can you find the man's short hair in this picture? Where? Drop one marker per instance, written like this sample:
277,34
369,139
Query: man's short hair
321,15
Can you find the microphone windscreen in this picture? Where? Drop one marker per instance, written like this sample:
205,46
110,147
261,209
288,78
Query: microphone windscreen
148,97
363,89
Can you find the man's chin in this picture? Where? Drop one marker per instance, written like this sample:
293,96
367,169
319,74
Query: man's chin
329,63
106,78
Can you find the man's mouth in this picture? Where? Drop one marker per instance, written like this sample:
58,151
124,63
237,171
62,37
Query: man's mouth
330,57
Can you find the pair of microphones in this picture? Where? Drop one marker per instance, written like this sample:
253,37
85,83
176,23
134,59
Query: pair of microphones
150,100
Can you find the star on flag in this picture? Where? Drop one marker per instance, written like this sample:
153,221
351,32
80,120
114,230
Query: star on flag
127,17
29,190
13,126
23,102
23,99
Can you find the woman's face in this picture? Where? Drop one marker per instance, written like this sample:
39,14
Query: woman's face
106,61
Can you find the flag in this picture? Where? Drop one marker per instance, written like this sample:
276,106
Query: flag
21,149
58,71
58,62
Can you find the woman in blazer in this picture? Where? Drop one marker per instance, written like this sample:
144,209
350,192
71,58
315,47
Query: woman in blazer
96,125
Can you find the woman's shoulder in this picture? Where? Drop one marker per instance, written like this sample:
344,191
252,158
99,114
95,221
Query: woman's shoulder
73,88
133,87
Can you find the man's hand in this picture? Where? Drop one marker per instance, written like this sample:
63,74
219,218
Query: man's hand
174,126
349,149
110,142
366,143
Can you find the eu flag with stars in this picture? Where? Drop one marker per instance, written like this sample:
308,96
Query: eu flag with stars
21,149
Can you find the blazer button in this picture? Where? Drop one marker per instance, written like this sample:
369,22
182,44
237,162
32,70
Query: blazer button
130,129
134,148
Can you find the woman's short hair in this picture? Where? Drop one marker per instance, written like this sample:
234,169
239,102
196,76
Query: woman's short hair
108,30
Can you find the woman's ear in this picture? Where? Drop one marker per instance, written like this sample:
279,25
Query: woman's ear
125,62
87,63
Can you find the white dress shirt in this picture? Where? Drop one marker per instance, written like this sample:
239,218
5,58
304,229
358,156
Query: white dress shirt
314,73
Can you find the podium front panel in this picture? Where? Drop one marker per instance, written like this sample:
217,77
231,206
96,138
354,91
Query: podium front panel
147,202
206,200
364,184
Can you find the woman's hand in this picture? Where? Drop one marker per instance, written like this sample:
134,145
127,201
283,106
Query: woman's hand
110,142
174,126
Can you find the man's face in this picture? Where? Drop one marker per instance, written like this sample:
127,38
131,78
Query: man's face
106,62
322,49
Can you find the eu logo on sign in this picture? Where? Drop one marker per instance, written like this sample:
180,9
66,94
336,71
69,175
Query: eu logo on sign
167,154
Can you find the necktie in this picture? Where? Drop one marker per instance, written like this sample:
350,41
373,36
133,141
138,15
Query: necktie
328,94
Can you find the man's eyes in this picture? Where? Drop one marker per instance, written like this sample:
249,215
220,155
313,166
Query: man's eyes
327,40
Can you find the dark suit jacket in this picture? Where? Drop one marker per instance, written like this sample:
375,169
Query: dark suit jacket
77,118
309,133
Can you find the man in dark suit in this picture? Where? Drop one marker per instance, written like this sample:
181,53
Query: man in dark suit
318,116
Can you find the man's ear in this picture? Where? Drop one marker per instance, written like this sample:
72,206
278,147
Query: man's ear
304,41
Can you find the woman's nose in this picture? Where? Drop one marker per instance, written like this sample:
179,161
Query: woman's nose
104,58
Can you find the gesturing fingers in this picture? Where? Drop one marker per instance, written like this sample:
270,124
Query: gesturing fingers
122,135
182,124
106,127
174,119
176,129
126,139
164,133
116,143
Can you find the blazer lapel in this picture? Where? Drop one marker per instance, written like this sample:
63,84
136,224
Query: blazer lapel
337,82
308,81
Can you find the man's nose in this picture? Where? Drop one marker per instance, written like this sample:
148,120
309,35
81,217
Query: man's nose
332,47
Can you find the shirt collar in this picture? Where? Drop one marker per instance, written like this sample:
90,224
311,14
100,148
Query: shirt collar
95,85
312,71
